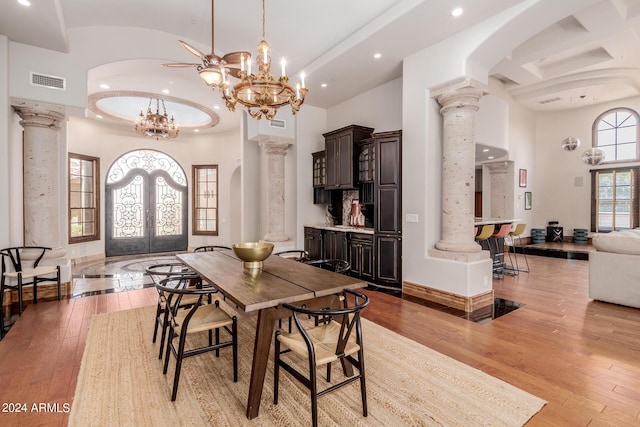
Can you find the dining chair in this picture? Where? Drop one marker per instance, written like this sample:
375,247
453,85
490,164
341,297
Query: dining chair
336,265
211,248
159,272
295,254
201,316
22,265
340,338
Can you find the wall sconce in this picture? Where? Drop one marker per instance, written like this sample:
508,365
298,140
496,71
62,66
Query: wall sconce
593,156
570,143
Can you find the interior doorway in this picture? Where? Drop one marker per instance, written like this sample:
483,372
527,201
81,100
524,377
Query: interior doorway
146,205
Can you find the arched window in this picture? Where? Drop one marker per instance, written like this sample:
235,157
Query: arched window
616,133
616,190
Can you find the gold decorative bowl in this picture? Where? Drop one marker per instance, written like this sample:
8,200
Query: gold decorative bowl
252,253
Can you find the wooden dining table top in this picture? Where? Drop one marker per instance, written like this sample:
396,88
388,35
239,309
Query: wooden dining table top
280,280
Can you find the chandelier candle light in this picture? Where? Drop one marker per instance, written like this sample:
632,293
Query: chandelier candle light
155,124
261,93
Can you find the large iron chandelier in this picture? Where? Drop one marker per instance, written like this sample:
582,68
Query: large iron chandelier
156,125
261,93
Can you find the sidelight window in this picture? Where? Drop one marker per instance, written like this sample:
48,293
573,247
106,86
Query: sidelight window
84,199
205,200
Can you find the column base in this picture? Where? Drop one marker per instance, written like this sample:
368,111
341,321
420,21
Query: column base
454,252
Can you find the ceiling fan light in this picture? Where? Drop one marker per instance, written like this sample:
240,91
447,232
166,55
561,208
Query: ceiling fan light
211,76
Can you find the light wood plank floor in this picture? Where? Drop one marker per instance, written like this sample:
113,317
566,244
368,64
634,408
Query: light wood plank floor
582,356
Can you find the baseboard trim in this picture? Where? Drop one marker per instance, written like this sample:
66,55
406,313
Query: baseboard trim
458,302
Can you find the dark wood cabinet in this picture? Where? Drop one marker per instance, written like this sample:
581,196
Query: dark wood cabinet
319,169
341,163
335,244
388,186
361,255
313,242
388,253
366,161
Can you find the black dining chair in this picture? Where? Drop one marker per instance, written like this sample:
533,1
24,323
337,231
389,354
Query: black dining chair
211,248
21,267
159,272
201,316
336,265
295,254
339,338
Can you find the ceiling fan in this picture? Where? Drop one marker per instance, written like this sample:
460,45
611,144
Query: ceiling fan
213,67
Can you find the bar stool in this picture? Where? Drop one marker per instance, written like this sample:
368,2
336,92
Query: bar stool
498,256
517,232
485,232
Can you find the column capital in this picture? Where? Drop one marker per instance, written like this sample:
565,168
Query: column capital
464,93
39,118
497,167
275,146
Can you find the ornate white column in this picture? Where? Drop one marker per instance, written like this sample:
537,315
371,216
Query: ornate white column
41,175
459,105
275,150
498,173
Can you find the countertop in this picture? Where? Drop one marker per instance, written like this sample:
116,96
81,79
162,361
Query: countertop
486,221
344,228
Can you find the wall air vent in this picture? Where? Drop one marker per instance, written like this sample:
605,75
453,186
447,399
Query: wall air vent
52,82
280,124
546,101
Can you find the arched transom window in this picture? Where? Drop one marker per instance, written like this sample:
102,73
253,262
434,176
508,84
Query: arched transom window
616,133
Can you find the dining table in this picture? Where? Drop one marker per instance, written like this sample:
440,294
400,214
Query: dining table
264,290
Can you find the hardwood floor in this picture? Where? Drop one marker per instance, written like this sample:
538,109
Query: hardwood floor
582,356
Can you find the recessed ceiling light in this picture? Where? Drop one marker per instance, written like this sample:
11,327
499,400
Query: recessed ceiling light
216,107
485,150
165,90
377,55
457,11
104,86
196,130
323,85
490,157
24,2
98,116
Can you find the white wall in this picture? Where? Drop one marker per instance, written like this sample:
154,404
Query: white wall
558,195
379,108
108,143
522,146
311,122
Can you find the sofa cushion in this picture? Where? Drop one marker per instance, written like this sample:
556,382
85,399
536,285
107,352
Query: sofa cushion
621,242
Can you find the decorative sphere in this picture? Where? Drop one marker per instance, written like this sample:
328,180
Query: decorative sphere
593,156
570,143
253,253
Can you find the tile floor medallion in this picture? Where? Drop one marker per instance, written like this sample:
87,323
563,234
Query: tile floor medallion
117,274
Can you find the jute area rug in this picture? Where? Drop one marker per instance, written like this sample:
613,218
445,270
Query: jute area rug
121,383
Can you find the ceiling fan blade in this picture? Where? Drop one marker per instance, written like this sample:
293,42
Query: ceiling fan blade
180,64
193,50
234,72
236,57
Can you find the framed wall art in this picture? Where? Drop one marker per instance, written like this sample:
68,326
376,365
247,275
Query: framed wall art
523,177
527,201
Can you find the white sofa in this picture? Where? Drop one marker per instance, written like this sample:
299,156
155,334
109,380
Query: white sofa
614,268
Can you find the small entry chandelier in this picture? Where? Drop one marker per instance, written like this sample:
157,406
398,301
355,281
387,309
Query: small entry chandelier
156,125
261,93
